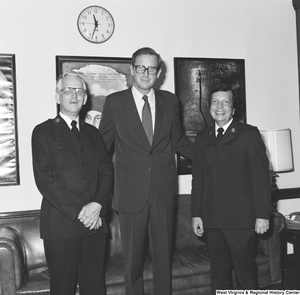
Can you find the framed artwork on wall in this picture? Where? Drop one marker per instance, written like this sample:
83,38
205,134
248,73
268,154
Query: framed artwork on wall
9,157
103,76
194,79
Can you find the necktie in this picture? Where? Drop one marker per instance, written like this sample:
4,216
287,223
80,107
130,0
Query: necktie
147,119
220,134
75,130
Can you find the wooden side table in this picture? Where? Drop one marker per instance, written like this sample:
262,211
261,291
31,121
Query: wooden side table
291,236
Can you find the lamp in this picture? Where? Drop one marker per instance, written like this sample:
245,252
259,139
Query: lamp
279,150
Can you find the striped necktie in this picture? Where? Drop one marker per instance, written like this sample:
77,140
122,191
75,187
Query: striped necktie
147,119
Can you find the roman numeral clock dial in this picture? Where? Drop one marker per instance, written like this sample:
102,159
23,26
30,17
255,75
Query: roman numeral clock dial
95,24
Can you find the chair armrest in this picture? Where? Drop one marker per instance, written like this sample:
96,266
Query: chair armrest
12,261
269,244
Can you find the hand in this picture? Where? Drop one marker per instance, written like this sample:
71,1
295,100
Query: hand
90,215
198,226
98,223
261,225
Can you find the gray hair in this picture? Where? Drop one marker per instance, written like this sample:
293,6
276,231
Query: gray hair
59,85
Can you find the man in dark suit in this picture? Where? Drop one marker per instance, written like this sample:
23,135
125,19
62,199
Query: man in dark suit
144,126
230,192
74,174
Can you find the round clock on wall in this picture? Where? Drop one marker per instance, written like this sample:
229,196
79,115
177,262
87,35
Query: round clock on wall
95,24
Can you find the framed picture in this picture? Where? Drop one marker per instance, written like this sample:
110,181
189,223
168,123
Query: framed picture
103,76
194,79
9,157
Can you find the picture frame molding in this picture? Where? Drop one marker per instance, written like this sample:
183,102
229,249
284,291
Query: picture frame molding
10,154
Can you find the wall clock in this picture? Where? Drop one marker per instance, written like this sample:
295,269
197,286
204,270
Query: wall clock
95,24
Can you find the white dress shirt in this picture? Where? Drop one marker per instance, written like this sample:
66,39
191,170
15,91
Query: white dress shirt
69,121
139,102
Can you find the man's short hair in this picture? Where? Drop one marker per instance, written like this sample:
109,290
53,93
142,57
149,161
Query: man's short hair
59,85
146,51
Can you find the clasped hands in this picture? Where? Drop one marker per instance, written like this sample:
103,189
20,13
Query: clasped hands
261,226
90,215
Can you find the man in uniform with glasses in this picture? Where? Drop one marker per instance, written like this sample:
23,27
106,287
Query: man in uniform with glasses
142,123
74,174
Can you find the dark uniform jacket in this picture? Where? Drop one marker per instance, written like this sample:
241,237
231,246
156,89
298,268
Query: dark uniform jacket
69,175
231,182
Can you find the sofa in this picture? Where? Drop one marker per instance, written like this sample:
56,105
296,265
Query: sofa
23,268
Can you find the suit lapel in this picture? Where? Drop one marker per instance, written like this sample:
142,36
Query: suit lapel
130,108
159,111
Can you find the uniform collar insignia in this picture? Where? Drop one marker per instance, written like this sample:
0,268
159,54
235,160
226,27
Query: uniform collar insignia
56,120
233,130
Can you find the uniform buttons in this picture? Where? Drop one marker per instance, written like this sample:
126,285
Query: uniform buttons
83,176
149,170
82,163
150,152
86,189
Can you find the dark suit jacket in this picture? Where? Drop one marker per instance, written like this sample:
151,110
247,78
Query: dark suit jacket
69,175
138,166
231,182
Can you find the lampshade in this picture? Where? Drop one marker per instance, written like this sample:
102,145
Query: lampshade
279,149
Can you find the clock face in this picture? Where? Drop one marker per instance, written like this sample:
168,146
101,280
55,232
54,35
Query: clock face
95,24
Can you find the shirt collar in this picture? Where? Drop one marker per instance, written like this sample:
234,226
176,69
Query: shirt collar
69,121
138,96
224,127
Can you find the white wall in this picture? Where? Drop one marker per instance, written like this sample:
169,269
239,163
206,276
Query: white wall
254,30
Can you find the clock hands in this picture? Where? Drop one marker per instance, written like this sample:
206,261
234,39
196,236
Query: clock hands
96,22
96,26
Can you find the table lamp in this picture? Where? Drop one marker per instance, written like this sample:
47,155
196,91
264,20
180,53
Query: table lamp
279,150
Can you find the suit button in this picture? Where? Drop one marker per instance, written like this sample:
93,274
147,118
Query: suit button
83,176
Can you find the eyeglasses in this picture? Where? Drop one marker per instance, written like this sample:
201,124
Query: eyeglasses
80,92
141,70
225,103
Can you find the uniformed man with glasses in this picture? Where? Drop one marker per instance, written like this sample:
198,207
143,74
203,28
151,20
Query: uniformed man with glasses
142,123
74,175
